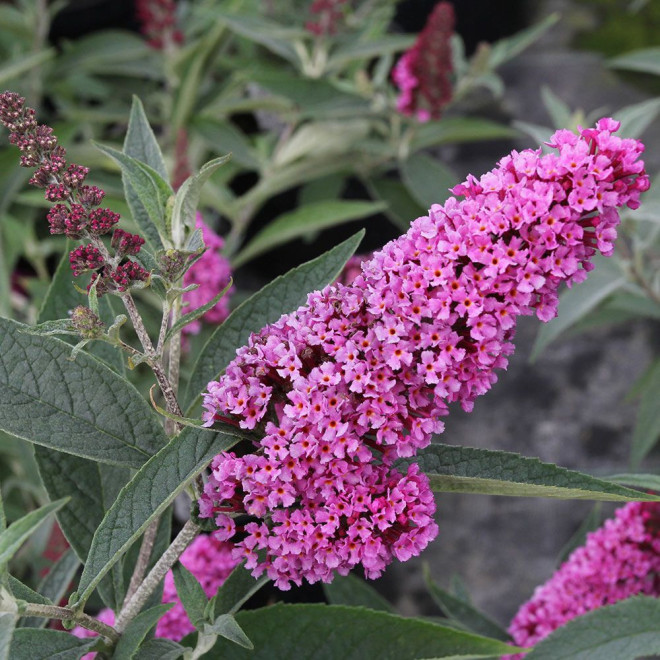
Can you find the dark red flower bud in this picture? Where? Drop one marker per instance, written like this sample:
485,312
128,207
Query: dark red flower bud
85,257
126,243
101,221
127,273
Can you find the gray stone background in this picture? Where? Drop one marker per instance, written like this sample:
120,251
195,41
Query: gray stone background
567,408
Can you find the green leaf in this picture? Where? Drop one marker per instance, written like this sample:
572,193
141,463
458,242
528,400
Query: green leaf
80,407
506,49
458,130
226,626
647,426
224,137
146,496
62,297
635,119
137,630
402,209
37,644
160,649
7,625
625,631
190,593
196,313
303,221
365,50
282,295
427,179
23,592
487,472
353,591
22,64
55,584
646,60
576,303
140,142
187,198
559,112
152,190
276,38
234,592
18,532
92,490
464,613
328,632
638,480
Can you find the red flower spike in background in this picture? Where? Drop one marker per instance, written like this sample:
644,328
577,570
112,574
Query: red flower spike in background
327,16
157,20
423,74
360,376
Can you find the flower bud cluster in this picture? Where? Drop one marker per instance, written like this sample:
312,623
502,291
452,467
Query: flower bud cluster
619,560
86,323
360,375
423,73
210,561
327,16
157,20
75,212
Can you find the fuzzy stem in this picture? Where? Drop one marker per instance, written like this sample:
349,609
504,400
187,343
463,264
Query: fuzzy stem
64,613
142,560
157,573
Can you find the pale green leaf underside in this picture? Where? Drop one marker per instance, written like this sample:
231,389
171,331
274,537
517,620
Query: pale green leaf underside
487,472
36,644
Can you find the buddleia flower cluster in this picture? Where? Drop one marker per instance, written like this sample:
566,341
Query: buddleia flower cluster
210,561
423,74
77,211
360,376
619,560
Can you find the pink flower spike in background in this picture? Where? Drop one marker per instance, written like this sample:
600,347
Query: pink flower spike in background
423,73
362,374
210,561
212,272
619,560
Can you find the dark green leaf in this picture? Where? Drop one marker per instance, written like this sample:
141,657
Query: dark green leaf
140,142
402,209
137,630
484,471
464,613
23,592
55,584
236,590
647,427
458,129
559,112
365,50
190,593
321,190
17,533
646,60
224,138
226,626
328,632
625,631
427,179
187,198
80,407
506,49
36,644
22,64
304,220
576,303
353,591
146,496
7,625
151,189
160,649
282,295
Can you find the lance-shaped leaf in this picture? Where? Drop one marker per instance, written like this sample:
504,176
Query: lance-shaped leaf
187,198
152,192
427,179
137,630
487,472
18,532
21,591
303,221
76,406
140,141
235,590
226,626
647,428
190,593
463,612
645,481
146,496
625,631
7,625
351,590
646,60
282,295
160,649
37,644
328,632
